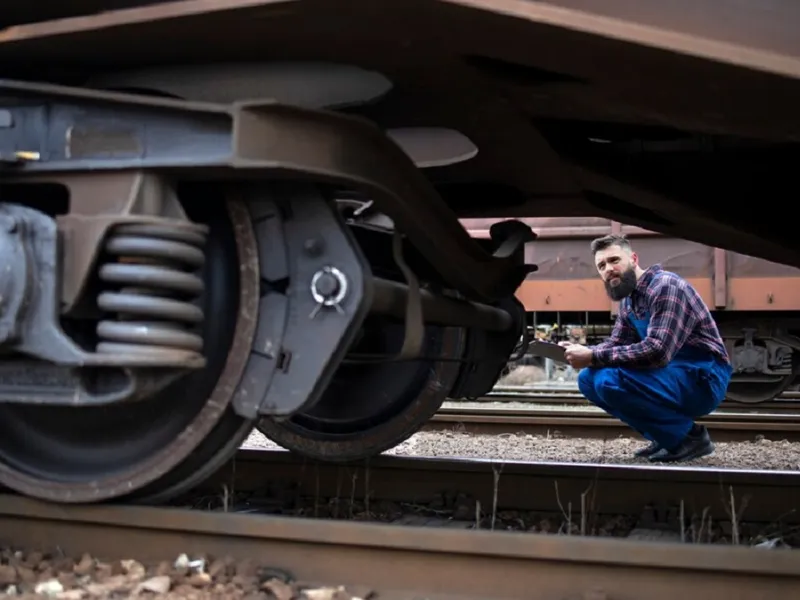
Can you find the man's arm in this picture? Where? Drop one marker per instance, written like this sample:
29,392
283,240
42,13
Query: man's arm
671,322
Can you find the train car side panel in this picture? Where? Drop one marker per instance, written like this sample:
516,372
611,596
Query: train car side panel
567,281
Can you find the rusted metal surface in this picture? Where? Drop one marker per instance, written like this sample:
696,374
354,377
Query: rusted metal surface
567,281
772,47
401,562
725,426
89,18
430,72
194,441
278,141
138,222
650,24
763,24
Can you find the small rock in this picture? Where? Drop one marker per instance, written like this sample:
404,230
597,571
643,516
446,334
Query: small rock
108,586
327,593
159,584
133,568
33,559
68,579
51,587
217,569
8,575
199,580
26,574
63,564
279,589
85,566
103,570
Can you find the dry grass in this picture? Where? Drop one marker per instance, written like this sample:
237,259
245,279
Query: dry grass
583,520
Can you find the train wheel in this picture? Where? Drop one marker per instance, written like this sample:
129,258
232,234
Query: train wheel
368,409
756,393
152,448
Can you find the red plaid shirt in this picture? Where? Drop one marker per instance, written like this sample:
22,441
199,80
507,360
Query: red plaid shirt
678,316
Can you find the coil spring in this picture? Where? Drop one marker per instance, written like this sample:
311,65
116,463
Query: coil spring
153,299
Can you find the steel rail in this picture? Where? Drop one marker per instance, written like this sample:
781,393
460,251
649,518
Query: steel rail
788,405
572,390
723,425
542,487
561,398
405,562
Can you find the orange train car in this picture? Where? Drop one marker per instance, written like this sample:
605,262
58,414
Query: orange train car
755,302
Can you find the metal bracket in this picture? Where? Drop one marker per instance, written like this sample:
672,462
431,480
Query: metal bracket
300,342
73,129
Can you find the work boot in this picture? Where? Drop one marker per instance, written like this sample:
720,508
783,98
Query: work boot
648,450
696,444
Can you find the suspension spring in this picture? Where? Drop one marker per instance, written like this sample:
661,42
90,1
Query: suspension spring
154,293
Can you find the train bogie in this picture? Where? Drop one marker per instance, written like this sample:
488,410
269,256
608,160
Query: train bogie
224,215
182,307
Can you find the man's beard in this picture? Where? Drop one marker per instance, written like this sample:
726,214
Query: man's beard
626,285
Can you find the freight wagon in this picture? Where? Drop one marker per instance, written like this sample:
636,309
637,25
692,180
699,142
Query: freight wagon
754,301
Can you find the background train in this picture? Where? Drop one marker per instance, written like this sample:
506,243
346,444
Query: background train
755,302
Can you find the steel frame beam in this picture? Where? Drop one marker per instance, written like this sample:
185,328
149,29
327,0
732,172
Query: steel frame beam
47,129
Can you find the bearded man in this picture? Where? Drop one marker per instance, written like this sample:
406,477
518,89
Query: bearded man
665,363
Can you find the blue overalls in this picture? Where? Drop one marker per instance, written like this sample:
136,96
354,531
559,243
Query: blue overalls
659,403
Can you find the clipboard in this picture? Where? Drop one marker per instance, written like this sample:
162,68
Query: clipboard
547,350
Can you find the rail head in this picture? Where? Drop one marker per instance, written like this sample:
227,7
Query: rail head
375,537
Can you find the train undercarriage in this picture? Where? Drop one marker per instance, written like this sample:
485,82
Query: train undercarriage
153,316
193,250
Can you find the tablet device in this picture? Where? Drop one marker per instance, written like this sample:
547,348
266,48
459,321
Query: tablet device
547,350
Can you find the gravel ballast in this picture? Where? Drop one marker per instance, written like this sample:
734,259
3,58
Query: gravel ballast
759,454
34,574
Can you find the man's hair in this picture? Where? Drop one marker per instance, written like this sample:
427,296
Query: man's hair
610,240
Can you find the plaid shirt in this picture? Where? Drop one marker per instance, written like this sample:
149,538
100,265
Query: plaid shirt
678,316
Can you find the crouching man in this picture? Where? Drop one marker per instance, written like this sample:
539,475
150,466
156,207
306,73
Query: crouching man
665,363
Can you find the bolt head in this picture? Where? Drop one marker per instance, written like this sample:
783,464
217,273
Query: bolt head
327,285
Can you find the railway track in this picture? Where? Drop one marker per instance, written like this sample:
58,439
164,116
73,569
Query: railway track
553,409
725,425
387,561
569,394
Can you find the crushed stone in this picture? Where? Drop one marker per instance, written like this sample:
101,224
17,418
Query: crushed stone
760,454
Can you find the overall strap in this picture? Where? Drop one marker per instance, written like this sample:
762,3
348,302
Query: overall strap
628,303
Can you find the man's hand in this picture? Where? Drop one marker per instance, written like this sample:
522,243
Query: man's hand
577,356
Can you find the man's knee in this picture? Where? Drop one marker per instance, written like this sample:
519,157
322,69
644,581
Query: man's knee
593,382
586,380
604,385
